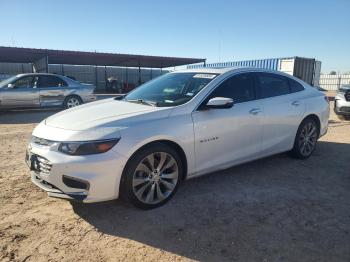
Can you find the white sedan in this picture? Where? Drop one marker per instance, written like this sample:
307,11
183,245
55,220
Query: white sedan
178,126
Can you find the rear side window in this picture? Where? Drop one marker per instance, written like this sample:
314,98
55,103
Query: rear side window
241,88
272,85
51,81
295,86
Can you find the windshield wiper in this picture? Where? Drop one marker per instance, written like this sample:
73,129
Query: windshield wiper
141,101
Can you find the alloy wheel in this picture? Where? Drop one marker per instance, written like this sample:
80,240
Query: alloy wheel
155,178
72,102
308,138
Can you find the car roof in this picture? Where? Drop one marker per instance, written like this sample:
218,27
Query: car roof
228,70
208,70
35,74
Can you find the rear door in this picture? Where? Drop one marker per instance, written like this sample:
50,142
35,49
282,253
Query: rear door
21,94
52,90
224,137
283,109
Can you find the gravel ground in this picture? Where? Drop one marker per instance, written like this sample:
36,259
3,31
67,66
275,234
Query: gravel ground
274,209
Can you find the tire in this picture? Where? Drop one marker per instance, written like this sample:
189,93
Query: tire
305,139
72,101
148,186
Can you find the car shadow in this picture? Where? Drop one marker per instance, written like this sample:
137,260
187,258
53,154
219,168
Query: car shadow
273,209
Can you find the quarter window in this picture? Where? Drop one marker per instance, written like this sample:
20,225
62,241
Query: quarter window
272,85
51,81
295,86
241,88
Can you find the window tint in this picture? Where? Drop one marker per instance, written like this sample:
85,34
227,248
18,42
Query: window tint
51,81
26,81
240,88
272,85
295,86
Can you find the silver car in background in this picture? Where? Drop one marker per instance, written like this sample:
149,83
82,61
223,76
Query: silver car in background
37,90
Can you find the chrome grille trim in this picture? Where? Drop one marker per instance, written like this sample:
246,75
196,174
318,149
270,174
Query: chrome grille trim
44,165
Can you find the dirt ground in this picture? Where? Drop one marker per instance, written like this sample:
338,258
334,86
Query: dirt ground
274,209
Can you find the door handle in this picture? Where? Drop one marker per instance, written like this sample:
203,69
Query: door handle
255,111
295,103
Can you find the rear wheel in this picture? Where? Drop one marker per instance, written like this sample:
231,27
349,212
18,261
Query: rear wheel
306,139
151,176
72,101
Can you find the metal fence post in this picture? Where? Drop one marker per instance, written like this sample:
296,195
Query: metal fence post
96,82
106,78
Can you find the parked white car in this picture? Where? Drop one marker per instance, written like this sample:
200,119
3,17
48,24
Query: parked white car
342,102
178,126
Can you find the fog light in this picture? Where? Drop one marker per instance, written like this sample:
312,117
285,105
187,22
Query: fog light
75,183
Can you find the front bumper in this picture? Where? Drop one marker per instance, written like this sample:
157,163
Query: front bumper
101,173
342,107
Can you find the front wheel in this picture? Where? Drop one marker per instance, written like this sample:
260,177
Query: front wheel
306,139
151,176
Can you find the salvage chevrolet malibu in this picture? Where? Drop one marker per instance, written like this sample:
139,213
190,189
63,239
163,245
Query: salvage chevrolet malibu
177,126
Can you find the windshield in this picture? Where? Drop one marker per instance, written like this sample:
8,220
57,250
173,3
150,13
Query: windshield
7,81
171,89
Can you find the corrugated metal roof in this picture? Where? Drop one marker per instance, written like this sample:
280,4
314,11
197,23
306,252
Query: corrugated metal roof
29,55
266,63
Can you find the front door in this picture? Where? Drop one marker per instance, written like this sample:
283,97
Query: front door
20,93
224,137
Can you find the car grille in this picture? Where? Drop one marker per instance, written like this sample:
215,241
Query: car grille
347,96
41,141
42,165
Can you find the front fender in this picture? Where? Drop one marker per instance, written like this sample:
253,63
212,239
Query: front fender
178,130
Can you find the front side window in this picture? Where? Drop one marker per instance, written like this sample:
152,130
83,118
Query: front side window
272,85
24,82
51,81
241,88
7,81
171,89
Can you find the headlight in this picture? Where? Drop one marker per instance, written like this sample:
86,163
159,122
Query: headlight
87,148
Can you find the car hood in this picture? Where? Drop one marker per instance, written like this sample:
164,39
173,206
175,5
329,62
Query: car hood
106,113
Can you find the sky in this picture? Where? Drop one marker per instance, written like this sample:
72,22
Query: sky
216,30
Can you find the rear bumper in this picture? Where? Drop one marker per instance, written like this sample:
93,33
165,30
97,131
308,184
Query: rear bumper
89,98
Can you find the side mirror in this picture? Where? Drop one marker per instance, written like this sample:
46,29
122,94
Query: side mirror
10,86
220,102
